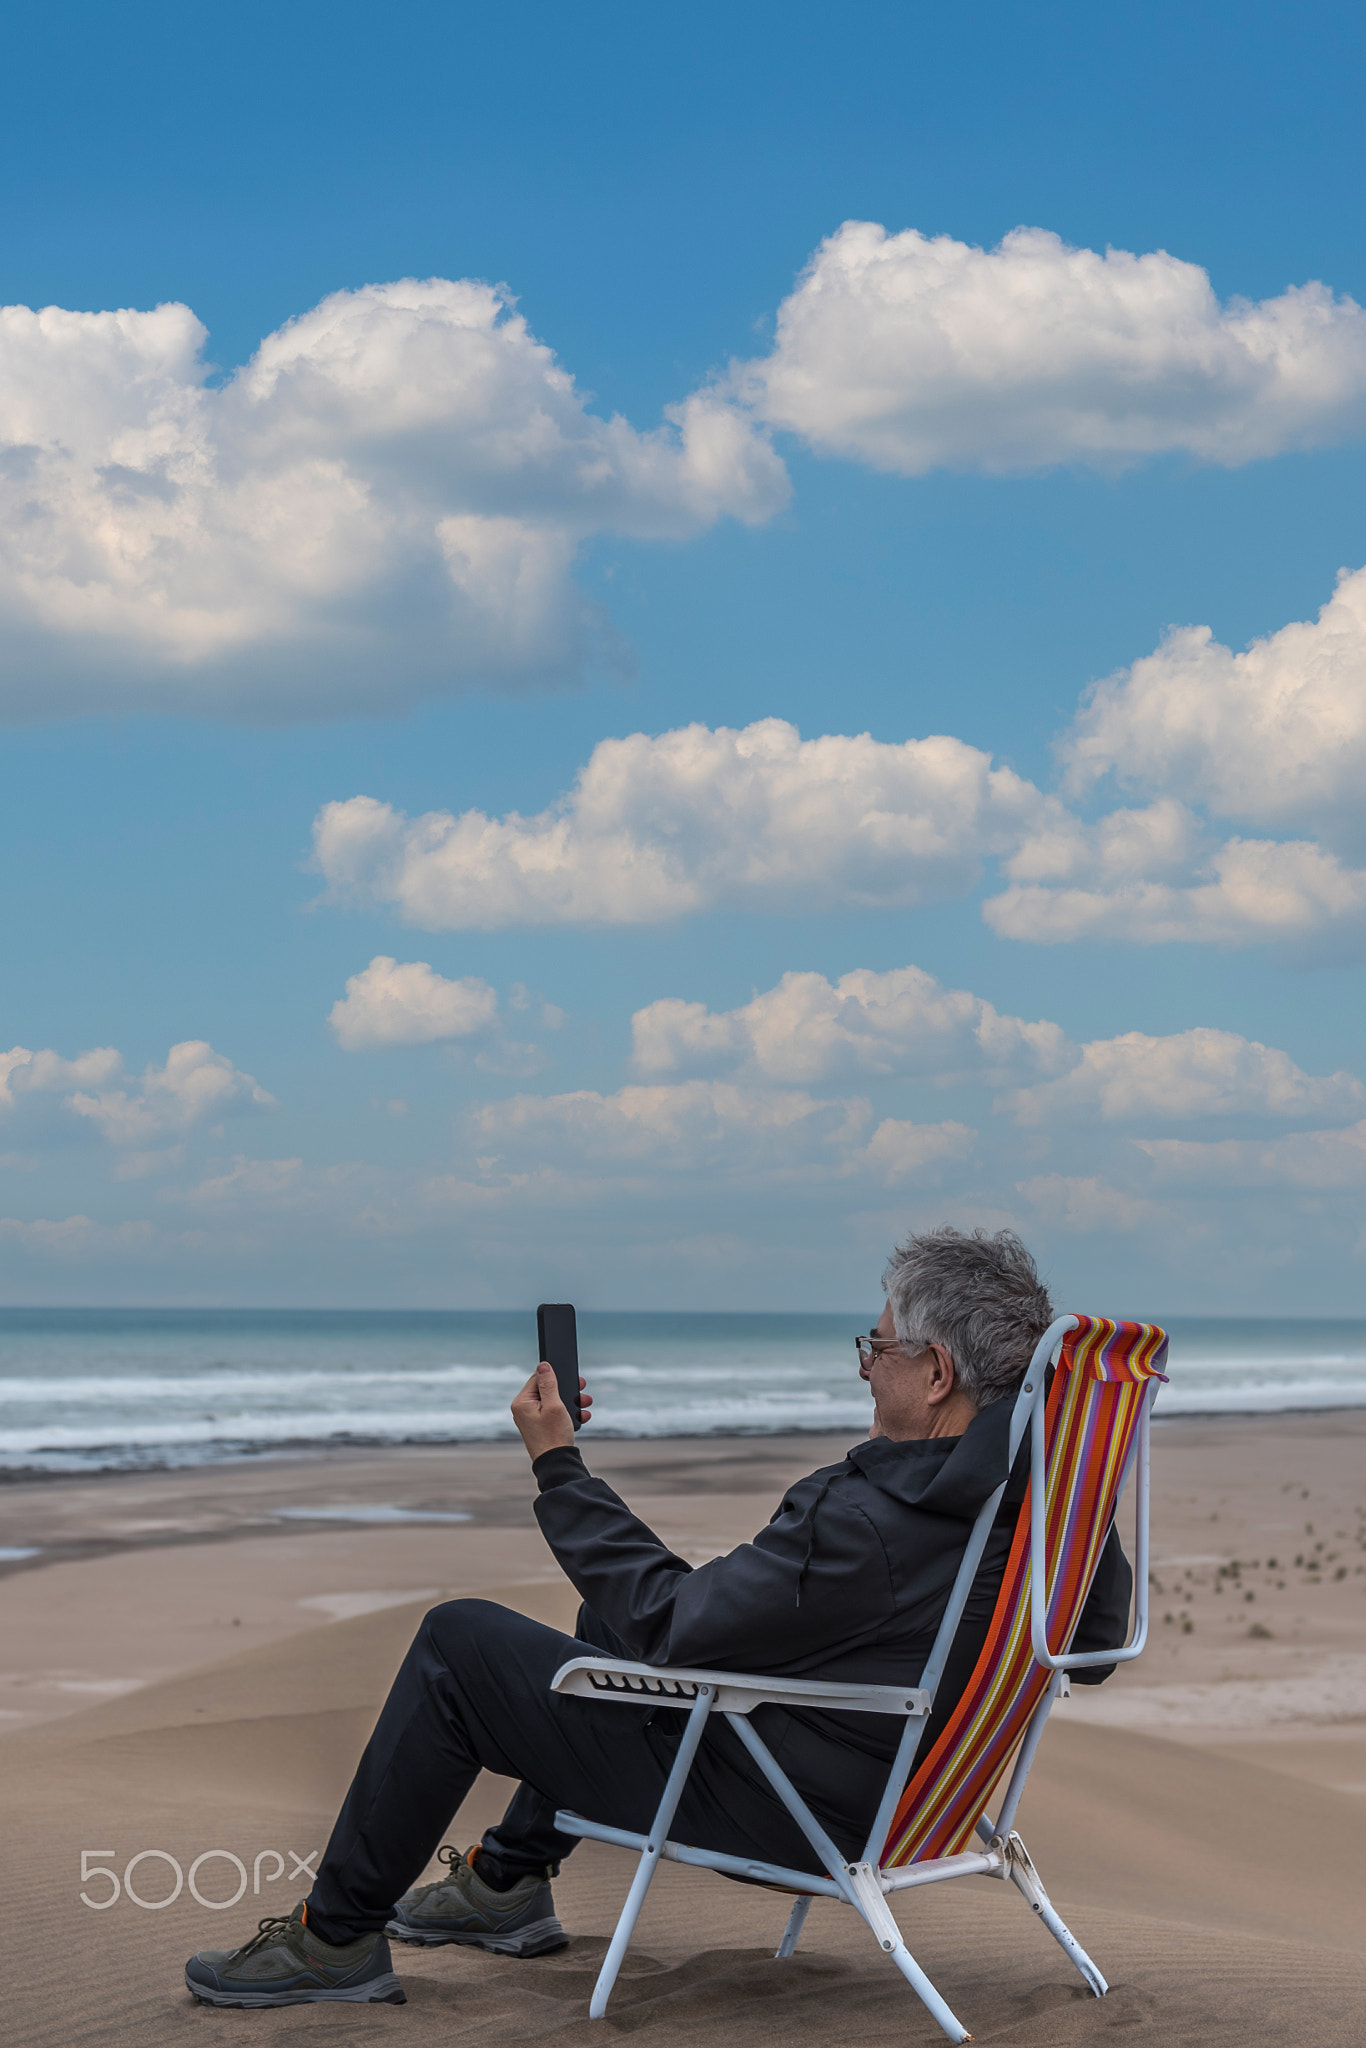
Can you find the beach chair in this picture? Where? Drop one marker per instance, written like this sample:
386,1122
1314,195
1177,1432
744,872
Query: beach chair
1089,1424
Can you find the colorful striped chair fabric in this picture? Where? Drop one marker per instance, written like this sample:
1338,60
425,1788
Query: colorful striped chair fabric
1092,1416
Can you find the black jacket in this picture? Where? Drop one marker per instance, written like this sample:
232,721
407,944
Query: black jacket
848,1581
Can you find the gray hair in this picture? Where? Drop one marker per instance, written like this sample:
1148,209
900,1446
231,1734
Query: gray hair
980,1297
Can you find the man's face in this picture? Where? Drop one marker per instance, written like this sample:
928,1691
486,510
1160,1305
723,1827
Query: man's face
913,1390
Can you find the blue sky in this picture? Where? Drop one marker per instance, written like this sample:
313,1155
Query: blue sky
904,480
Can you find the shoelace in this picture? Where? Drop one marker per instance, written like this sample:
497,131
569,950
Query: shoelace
454,1859
266,1931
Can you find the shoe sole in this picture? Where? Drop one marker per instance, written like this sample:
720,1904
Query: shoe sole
537,1938
378,1991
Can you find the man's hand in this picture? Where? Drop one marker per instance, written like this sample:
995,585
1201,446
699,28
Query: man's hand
542,1419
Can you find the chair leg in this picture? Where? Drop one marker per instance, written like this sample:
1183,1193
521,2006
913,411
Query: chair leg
865,1893
796,1920
650,1855
1027,1880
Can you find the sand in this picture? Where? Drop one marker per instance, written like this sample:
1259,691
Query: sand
185,1668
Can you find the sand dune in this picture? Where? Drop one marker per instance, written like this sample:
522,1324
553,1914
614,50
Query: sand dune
251,1754
1220,1892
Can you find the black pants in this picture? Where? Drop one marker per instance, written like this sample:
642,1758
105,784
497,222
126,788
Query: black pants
474,1690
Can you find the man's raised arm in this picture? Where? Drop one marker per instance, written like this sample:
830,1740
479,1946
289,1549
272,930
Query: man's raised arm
767,1605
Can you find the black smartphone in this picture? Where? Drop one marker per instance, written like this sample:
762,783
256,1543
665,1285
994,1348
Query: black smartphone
558,1337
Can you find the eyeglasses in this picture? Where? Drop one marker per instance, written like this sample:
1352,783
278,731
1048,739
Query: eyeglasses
873,1346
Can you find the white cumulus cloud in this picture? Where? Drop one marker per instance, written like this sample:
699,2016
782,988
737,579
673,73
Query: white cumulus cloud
1201,1072
905,1023
691,820
1276,734
758,818
1246,892
910,352
898,1150
385,501
408,1003
37,1073
657,827
388,500
195,1086
810,1029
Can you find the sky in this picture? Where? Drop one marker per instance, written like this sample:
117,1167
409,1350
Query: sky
642,650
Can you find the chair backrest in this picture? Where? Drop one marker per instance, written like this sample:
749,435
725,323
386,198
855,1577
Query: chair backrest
1091,1421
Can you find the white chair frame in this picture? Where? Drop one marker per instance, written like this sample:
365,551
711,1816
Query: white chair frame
864,1884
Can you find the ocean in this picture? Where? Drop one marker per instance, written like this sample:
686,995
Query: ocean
101,1389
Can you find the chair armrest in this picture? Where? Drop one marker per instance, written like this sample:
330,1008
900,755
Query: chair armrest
737,1692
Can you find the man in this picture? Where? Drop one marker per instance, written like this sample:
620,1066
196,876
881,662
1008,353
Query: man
848,1581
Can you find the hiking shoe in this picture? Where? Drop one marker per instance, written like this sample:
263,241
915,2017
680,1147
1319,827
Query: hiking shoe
283,1964
461,1907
